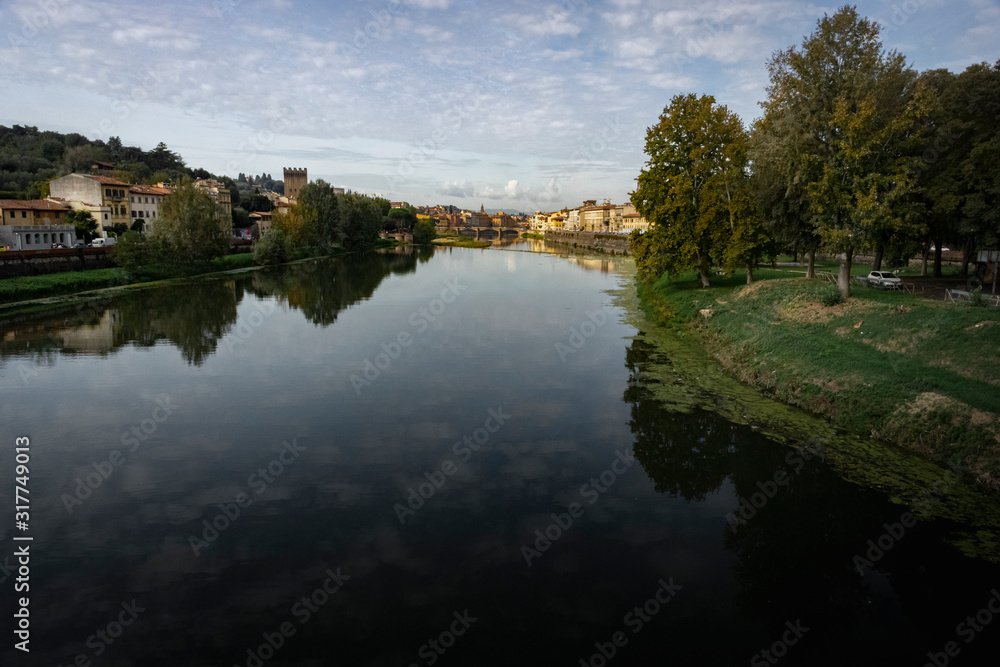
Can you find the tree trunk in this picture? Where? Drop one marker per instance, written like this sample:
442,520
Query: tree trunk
795,253
879,252
926,255
703,271
967,252
844,277
749,273
811,270
937,257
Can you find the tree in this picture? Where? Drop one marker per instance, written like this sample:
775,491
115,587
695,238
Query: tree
401,219
132,252
360,220
842,105
694,187
84,223
424,232
188,228
272,248
299,224
319,195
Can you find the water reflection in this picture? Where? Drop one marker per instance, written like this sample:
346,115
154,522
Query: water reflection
797,529
195,318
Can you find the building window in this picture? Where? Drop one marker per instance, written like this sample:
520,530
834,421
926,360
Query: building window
45,238
140,214
105,216
24,214
37,238
107,192
12,214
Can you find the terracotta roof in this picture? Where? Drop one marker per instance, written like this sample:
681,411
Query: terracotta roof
105,180
148,190
32,204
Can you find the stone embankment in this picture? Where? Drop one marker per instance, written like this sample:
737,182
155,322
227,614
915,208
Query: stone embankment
610,243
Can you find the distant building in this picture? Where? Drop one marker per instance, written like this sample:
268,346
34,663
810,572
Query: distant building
145,201
481,219
400,204
263,221
104,197
220,194
34,224
295,180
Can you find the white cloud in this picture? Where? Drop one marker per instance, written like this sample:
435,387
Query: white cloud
459,189
429,4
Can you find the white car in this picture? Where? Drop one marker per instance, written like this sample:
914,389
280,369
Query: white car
884,279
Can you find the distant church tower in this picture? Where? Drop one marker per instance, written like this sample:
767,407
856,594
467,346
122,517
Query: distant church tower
295,180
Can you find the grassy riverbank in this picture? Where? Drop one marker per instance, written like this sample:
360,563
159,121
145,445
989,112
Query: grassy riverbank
917,373
70,282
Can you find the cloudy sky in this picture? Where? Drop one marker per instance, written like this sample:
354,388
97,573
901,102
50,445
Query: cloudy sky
515,104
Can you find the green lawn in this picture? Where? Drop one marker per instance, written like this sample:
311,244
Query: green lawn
909,370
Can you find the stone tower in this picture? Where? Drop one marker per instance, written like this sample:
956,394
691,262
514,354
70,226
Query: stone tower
295,180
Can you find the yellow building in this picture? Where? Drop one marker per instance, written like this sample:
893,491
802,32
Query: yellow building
105,197
223,198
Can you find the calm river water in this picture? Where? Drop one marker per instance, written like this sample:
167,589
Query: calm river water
447,458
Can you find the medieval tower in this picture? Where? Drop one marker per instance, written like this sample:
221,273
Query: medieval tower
295,180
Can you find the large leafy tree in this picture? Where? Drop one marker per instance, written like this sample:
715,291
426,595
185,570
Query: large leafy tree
694,190
320,196
189,228
842,104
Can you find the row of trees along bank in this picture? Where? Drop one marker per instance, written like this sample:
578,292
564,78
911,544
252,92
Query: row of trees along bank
855,152
188,230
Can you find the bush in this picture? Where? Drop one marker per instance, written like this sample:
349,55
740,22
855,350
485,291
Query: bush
424,232
831,298
274,247
976,298
132,252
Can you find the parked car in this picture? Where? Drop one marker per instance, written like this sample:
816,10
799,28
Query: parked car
56,246
102,243
884,279
79,244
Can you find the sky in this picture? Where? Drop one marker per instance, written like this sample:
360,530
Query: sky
508,104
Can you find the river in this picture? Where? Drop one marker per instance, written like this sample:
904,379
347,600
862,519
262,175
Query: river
456,457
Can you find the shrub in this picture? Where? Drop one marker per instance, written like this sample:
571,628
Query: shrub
976,298
272,248
132,252
831,298
424,232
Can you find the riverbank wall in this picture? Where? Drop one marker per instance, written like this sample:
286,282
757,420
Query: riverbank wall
609,243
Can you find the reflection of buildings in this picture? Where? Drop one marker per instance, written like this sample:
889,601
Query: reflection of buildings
591,264
98,337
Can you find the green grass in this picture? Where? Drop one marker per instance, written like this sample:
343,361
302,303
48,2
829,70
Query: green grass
52,284
898,367
530,235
